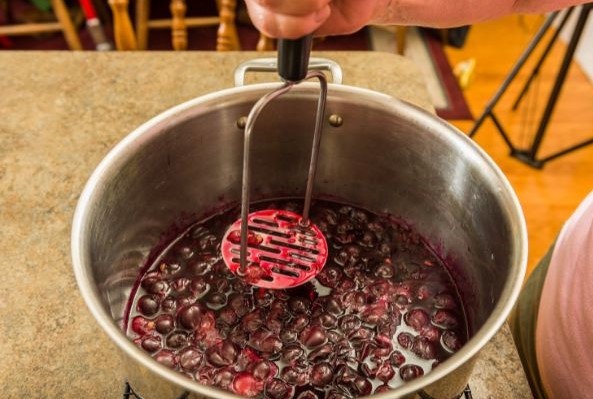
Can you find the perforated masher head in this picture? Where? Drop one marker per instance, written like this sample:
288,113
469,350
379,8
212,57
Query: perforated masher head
274,248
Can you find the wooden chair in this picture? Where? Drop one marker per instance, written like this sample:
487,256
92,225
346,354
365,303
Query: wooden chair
125,39
64,24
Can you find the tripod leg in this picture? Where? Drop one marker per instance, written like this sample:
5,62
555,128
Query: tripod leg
547,115
508,80
540,62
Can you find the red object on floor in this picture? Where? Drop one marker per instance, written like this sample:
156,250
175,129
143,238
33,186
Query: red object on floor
88,8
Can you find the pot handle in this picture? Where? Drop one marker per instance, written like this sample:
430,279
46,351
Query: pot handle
271,65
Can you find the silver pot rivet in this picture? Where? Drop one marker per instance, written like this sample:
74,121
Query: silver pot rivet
241,122
336,120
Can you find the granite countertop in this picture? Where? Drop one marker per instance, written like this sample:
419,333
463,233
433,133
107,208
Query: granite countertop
60,114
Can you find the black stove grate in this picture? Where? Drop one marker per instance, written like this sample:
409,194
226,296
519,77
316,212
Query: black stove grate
130,394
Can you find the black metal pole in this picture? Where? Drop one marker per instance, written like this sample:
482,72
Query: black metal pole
566,151
508,80
547,115
542,58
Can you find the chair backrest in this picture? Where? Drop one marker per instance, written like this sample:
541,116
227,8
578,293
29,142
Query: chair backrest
128,38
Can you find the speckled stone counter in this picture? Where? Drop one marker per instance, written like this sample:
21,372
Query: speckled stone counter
60,113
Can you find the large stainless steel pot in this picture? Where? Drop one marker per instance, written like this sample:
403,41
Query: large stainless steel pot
387,155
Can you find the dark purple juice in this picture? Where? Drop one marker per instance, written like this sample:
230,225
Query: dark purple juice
384,310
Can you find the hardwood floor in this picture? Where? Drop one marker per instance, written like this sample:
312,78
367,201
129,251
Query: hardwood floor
548,196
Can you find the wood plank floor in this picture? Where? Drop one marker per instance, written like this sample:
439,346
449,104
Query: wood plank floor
548,196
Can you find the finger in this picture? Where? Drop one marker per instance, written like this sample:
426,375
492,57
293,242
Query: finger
286,26
343,21
294,7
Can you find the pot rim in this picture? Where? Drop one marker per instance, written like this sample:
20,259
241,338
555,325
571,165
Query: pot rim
92,299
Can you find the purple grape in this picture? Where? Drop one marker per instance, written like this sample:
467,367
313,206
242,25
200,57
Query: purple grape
298,324
222,354
312,336
385,372
431,333
320,353
278,389
410,372
417,319
180,284
183,301
155,286
361,334
424,348
376,312
148,305
252,321
330,276
326,320
288,336
227,316
224,378
445,301
216,300
334,306
169,305
199,286
451,342
444,319
151,343
239,303
362,386
349,323
142,326
190,316
299,305
166,358
405,340
354,301
245,384
164,324
190,358
263,370
296,376
177,339
238,336
291,353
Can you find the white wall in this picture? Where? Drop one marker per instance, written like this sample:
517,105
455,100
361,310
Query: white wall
584,52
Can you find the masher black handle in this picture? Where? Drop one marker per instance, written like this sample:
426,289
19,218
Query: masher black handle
293,58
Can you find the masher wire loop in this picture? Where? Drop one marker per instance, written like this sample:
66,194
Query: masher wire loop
246,183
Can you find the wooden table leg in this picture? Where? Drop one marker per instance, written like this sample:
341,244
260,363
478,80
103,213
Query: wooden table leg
122,26
400,38
227,38
142,15
68,28
178,28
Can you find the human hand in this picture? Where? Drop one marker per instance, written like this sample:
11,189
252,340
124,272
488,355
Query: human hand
291,19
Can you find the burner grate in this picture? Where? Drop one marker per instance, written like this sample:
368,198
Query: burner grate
130,394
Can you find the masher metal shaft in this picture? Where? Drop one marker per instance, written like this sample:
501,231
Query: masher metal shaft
246,185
